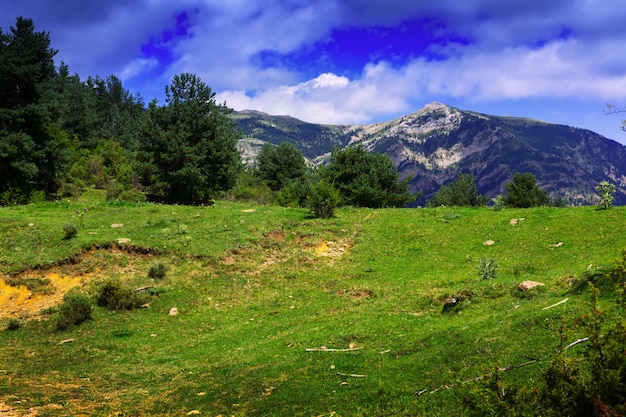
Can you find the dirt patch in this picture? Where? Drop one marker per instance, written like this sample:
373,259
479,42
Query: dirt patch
17,300
276,236
332,249
356,294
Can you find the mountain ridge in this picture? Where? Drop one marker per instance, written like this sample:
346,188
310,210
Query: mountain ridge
437,142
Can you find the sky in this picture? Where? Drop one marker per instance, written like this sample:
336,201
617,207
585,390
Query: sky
355,61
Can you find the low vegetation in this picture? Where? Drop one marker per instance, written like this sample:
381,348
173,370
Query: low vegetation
266,310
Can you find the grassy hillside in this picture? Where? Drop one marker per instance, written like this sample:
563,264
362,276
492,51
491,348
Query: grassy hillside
266,294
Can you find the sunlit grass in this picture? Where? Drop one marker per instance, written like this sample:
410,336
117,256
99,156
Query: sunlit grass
256,286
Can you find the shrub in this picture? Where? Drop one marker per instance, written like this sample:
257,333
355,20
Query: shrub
488,268
157,271
14,324
607,195
115,296
76,309
498,202
70,230
250,188
323,199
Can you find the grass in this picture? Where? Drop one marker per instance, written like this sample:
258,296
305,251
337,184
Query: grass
255,286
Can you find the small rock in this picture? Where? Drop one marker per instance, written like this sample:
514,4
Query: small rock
193,412
122,240
117,225
527,285
173,312
488,242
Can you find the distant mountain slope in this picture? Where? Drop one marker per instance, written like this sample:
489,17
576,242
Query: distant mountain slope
437,142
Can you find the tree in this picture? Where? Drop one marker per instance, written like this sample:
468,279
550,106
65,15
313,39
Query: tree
523,192
366,179
461,192
27,161
280,165
189,145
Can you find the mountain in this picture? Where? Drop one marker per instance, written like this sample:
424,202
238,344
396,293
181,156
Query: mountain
436,143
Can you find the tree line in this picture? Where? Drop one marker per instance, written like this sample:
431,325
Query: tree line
60,134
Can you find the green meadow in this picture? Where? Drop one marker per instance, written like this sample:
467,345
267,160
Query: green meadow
281,314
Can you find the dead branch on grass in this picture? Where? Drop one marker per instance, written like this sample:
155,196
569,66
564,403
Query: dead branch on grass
574,343
352,375
325,349
478,378
554,305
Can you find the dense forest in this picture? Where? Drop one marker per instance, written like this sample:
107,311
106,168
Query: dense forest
60,133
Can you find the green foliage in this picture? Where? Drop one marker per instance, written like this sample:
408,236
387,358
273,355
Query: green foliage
280,165
114,295
259,282
295,192
158,271
606,191
323,199
498,202
189,145
488,268
70,230
523,192
460,192
250,188
591,385
75,309
366,179
27,160
13,324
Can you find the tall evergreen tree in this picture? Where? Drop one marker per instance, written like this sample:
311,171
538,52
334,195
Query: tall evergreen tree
189,144
523,192
27,73
461,192
279,165
366,179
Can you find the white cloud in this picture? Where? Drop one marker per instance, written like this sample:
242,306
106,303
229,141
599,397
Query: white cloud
137,67
560,69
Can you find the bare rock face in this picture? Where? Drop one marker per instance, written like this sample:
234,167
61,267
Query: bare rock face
527,285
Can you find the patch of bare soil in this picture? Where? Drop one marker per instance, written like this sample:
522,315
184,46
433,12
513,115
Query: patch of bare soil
331,249
18,301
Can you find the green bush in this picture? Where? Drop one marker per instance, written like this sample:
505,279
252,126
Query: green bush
114,295
14,324
76,309
70,230
158,271
488,268
323,199
250,188
607,195
132,196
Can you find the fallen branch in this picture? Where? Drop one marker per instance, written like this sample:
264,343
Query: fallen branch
478,378
325,349
352,375
554,305
584,339
144,288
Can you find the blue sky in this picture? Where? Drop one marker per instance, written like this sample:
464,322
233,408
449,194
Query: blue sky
356,61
